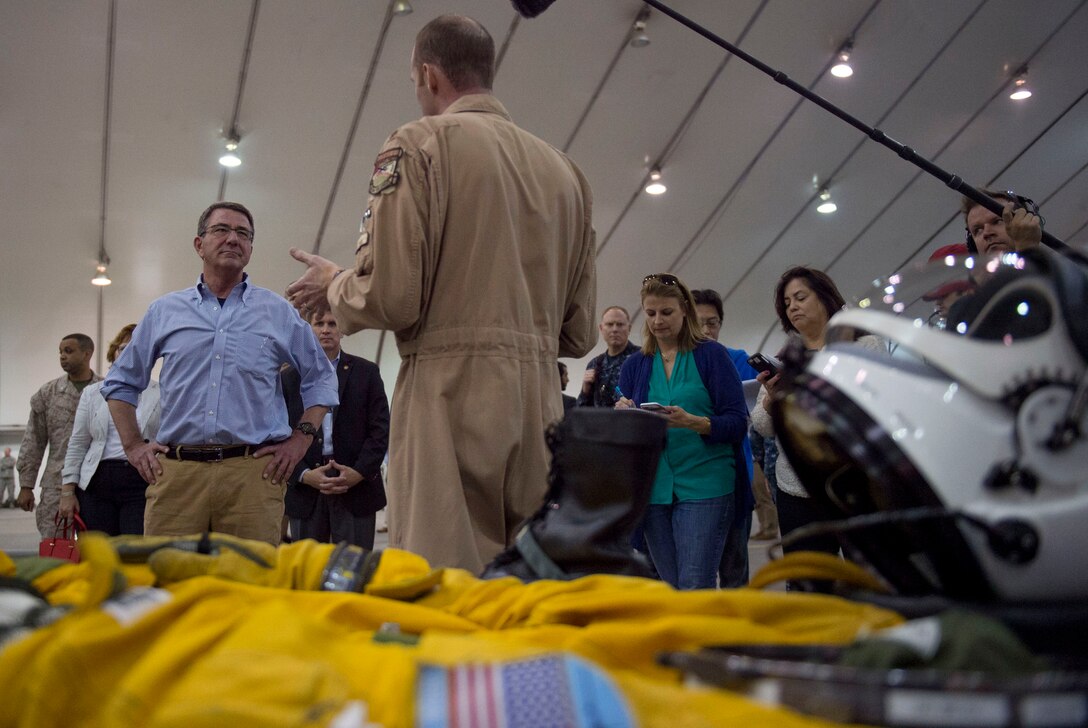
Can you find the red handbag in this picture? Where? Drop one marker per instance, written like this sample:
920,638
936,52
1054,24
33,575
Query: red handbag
62,546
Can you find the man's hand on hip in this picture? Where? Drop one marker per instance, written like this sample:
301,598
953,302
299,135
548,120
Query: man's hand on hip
285,456
144,457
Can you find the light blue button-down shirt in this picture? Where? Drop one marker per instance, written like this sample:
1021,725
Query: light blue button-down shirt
326,423
220,379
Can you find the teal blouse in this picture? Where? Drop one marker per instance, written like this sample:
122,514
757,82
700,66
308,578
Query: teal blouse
690,468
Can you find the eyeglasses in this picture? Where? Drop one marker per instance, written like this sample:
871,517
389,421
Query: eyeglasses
222,231
666,279
712,323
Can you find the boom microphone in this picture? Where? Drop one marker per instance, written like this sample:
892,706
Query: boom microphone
531,8
949,179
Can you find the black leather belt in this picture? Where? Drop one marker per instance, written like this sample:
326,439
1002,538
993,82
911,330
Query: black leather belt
209,453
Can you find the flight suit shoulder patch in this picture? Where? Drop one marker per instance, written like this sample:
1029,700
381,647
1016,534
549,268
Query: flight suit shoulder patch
385,175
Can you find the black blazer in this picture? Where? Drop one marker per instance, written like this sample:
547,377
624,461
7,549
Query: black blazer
360,434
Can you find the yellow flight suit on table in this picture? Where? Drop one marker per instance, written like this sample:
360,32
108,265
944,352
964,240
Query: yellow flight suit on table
478,251
206,651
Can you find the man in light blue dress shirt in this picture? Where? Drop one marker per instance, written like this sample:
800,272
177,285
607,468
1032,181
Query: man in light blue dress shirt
225,446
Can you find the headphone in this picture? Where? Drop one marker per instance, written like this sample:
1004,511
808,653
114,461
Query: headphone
1021,202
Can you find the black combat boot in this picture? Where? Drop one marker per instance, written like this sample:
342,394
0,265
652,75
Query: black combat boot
603,467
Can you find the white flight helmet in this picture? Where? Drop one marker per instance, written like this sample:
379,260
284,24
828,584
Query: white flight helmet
955,464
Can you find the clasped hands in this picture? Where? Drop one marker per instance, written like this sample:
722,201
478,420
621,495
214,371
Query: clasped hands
332,478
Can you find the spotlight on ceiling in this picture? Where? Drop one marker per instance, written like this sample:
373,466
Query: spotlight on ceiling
402,7
826,206
231,158
101,278
639,39
842,69
656,186
1020,90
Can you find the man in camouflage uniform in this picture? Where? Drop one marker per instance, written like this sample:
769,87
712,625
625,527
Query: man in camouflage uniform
7,480
52,412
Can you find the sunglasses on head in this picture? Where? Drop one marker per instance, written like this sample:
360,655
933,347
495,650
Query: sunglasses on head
663,278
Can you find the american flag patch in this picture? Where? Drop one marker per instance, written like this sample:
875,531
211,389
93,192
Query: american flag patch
552,692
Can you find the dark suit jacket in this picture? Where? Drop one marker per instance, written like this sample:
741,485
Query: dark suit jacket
360,436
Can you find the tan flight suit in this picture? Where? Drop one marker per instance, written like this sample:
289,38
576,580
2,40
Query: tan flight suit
52,414
479,252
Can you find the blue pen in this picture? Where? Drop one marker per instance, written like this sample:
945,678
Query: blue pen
618,392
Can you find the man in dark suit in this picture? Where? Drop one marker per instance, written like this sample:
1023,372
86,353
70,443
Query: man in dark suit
337,488
564,379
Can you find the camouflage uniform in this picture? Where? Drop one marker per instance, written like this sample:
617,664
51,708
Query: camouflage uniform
52,412
7,480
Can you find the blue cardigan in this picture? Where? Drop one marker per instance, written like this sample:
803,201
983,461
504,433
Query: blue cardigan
740,361
728,424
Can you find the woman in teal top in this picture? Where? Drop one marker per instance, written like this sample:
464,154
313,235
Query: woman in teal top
692,504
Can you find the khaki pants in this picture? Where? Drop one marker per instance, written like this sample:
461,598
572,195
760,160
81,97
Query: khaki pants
225,497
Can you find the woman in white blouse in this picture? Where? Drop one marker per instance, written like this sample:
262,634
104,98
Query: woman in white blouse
97,481
805,300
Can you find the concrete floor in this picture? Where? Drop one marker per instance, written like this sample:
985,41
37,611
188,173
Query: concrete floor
18,532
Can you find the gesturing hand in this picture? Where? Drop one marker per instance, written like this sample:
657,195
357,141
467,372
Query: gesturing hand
309,294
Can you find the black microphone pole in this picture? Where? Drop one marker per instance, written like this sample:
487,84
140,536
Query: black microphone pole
951,180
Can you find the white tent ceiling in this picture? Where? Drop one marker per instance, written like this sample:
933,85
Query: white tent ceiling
738,151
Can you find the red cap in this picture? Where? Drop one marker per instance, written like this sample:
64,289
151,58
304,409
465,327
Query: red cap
956,249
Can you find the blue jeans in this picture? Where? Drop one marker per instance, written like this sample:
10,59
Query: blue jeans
686,540
733,571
